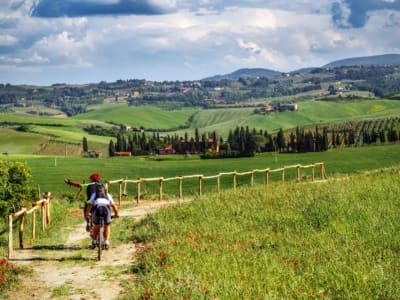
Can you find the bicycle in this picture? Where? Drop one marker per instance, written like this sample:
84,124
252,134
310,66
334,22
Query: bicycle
100,239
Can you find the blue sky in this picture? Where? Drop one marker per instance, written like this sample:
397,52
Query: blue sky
81,41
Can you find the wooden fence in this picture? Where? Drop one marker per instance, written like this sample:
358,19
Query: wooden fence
161,180
44,205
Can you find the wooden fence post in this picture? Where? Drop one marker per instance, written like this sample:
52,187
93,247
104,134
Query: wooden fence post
138,190
200,184
313,172
322,171
267,176
234,181
10,236
161,189
298,173
218,183
283,174
180,188
33,224
120,192
252,178
21,230
47,197
43,212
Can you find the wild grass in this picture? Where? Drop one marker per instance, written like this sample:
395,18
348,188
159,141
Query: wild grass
337,240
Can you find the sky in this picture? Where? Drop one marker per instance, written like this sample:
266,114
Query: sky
44,42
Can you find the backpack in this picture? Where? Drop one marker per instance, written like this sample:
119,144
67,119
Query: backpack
91,188
101,191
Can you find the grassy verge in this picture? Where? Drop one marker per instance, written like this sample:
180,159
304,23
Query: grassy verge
337,240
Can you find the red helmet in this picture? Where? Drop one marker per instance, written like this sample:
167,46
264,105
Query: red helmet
95,177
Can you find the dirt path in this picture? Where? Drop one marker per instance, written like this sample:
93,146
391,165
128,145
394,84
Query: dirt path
71,271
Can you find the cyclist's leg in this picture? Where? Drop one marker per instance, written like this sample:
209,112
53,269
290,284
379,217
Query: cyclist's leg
107,231
96,226
107,228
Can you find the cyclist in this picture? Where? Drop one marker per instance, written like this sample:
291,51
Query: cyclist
99,206
90,189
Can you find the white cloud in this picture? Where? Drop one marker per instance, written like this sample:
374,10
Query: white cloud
7,40
203,38
63,49
34,59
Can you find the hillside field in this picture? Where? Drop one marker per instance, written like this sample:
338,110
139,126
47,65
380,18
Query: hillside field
137,116
221,120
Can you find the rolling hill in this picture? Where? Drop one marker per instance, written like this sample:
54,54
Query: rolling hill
376,60
244,73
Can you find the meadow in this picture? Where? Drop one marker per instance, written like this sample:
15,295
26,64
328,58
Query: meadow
137,116
333,240
49,172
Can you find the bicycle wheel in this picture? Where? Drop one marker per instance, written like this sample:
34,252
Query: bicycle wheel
100,239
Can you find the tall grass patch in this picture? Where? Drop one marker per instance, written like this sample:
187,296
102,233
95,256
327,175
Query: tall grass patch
336,240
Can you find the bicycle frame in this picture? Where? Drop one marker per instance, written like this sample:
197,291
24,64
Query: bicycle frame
100,238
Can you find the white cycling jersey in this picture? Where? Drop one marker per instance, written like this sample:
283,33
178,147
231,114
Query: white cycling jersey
101,201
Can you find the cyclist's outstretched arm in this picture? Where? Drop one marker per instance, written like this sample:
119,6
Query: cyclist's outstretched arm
73,183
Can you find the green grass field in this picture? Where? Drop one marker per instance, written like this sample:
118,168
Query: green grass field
146,116
50,171
20,142
337,240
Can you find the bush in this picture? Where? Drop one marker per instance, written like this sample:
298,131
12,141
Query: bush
15,189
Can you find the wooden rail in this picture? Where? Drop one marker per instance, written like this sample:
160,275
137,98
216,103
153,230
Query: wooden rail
44,205
123,182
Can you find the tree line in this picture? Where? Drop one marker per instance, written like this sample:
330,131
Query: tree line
242,141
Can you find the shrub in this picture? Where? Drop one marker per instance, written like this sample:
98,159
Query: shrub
15,189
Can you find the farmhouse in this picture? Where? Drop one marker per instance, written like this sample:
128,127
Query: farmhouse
167,150
267,108
125,128
284,107
280,107
122,153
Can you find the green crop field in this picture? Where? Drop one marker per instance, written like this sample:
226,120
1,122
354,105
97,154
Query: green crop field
20,142
146,116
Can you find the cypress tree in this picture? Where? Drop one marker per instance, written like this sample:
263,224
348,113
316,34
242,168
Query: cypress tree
85,144
111,149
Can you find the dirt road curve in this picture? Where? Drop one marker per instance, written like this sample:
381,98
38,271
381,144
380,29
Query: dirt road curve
58,272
